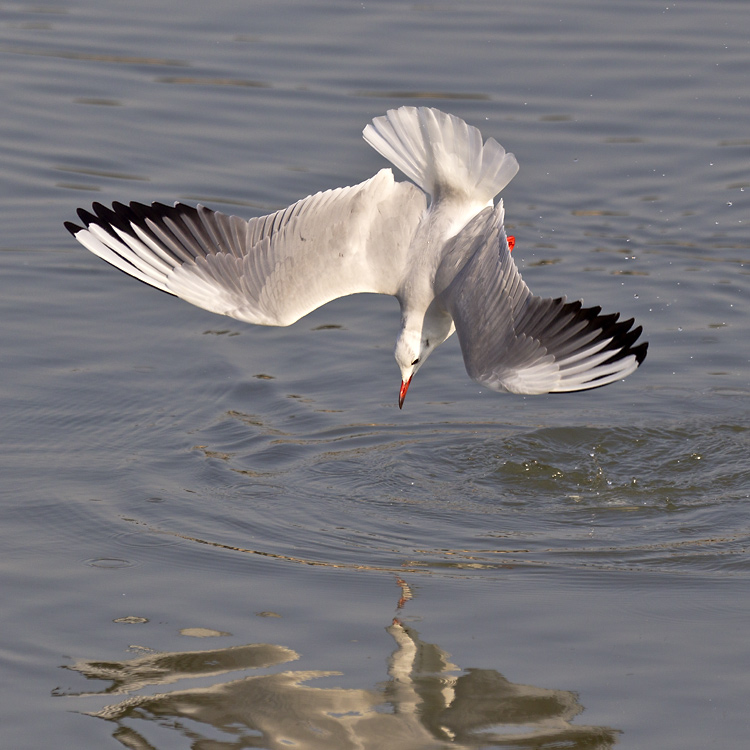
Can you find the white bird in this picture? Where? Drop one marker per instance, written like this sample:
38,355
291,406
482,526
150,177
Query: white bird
447,262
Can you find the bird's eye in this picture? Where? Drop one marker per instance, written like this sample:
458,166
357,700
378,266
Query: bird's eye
416,361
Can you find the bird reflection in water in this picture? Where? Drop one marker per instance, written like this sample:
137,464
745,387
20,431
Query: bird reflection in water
426,703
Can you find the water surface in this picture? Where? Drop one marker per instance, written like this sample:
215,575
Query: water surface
216,535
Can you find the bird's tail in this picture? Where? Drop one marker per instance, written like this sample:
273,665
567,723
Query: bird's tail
441,153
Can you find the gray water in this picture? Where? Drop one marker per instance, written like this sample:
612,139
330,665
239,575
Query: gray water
220,536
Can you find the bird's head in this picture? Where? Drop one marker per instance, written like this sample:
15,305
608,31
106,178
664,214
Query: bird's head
412,349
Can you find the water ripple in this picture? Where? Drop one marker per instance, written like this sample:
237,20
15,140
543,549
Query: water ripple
460,497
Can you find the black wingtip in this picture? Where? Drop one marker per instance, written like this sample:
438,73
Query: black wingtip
623,339
85,216
72,228
640,350
626,338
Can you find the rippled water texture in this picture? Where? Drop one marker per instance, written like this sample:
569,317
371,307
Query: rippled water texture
219,536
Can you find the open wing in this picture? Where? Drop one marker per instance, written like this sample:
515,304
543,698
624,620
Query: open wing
514,341
270,270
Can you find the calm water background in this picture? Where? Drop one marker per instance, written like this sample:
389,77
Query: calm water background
208,528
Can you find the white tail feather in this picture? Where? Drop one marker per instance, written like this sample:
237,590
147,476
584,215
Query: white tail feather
440,152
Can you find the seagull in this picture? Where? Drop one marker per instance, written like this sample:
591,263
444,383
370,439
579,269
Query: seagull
437,244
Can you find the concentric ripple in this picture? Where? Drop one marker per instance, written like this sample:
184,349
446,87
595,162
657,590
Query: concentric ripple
464,497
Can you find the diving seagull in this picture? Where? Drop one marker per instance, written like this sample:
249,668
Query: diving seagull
436,243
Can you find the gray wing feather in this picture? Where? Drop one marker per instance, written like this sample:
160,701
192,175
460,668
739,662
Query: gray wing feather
515,341
271,270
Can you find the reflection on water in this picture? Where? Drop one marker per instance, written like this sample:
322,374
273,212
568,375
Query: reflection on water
426,702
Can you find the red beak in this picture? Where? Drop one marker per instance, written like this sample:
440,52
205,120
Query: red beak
402,392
